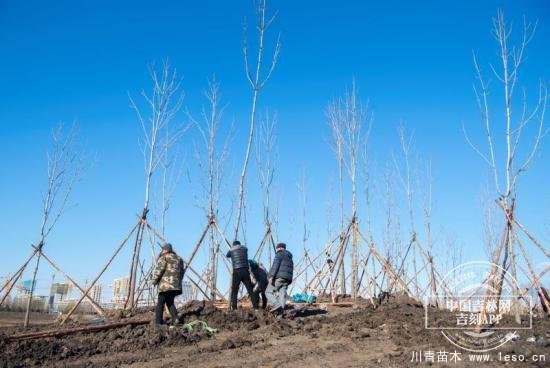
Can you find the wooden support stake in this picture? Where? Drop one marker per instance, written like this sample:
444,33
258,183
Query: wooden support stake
202,279
99,275
533,274
383,263
11,283
19,271
92,302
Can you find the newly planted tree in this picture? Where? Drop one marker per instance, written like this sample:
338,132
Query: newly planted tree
257,79
65,165
162,104
521,125
211,160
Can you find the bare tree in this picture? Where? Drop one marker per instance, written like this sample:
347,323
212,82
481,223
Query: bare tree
490,237
65,165
213,171
257,81
511,59
213,168
348,118
302,189
163,104
413,182
404,171
172,170
266,159
335,119
426,194
508,167
369,186
392,224
426,197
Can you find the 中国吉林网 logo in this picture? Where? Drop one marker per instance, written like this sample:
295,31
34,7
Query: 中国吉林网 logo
482,307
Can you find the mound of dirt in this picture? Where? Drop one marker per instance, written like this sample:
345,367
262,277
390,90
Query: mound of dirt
384,334
46,351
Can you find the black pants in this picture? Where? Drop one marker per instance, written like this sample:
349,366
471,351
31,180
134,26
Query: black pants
264,298
242,275
166,297
260,294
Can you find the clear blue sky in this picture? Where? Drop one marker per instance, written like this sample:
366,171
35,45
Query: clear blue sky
66,60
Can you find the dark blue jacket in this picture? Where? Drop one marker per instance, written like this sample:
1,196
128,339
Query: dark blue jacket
239,256
283,266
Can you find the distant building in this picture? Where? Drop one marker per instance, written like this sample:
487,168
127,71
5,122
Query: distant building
96,293
60,289
24,287
39,302
120,289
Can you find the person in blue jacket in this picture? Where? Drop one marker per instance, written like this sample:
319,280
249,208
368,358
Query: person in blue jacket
280,276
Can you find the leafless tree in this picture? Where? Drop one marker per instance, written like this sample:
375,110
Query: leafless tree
426,196
349,118
369,188
257,80
163,104
517,157
391,233
417,188
172,170
511,59
65,165
213,170
490,237
405,175
266,158
302,189
404,171
335,122
216,156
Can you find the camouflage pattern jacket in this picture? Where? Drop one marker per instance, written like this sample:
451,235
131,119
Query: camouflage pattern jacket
169,272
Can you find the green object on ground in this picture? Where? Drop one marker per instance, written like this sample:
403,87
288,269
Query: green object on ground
189,326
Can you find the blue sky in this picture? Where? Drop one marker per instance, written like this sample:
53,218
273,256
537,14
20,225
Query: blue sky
68,61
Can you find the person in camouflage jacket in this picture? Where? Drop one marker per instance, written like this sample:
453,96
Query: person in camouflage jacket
168,277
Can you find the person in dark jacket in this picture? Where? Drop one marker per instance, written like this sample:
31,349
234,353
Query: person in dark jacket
280,276
239,259
258,274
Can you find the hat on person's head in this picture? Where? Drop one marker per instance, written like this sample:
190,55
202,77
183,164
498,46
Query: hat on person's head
281,245
236,242
167,247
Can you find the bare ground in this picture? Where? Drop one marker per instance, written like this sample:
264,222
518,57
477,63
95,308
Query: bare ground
10,319
385,336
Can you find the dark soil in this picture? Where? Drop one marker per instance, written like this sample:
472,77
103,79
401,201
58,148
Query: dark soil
363,336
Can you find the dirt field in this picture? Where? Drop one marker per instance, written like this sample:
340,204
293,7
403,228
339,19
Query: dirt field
385,336
16,318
